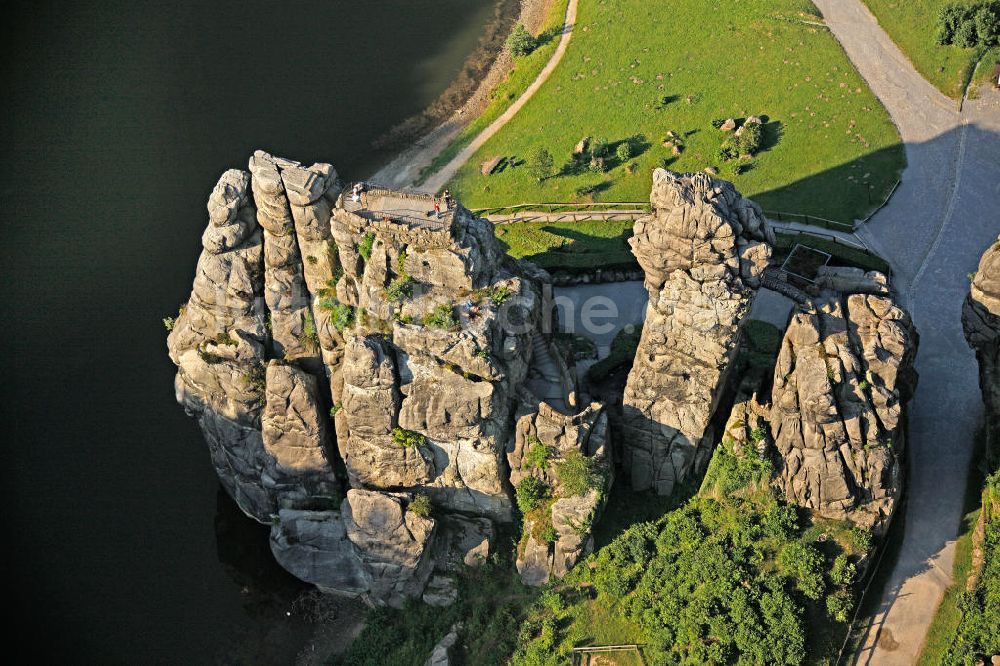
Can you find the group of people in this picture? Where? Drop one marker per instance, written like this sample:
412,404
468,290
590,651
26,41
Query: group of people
359,189
447,203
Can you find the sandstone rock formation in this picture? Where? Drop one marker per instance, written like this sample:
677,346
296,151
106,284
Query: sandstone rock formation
841,382
416,329
981,321
702,249
439,365
546,444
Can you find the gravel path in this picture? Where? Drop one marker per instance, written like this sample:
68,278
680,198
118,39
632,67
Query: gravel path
437,181
942,217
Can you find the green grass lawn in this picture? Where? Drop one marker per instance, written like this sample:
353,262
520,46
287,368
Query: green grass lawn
640,68
912,24
525,71
570,246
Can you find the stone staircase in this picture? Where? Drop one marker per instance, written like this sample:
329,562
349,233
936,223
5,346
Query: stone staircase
545,378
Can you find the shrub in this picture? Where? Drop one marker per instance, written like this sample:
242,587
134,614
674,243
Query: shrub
443,317
337,406
399,289
520,42
624,151
967,26
540,163
549,534
803,563
341,314
839,606
408,438
255,380
309,333
168,323
538,454
746,142
530,492
576,474
843,570
420,505
366,245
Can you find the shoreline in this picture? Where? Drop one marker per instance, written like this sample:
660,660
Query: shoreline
403,167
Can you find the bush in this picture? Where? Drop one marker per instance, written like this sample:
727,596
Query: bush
420,505
408,438
576,474
843,570
168,323
968,26
538,454
443,317
337,406
400,289
309,333
520,42
839,606
803,563
366,245
746,141
540,163
624,151
530,492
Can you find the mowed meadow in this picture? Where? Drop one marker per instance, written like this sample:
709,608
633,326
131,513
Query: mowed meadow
645,71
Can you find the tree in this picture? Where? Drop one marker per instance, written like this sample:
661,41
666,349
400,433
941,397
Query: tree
541,164
520,42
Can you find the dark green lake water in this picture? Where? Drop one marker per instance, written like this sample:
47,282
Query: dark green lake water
118,119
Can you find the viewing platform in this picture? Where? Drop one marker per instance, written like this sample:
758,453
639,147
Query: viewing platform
414,210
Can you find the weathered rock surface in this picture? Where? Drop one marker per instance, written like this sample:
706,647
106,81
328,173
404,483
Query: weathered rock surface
543,441
841,382
372,547
981,321
451,384
421,330
702,249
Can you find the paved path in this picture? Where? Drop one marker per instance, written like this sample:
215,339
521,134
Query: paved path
437,181
940,220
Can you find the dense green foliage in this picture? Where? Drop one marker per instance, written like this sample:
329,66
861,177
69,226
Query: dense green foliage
540,163
628,72
443,317
727,578
745,142
520,42
366,245
968,26
538,454
911,25
530,492
420,505
577,474
408,438
978,633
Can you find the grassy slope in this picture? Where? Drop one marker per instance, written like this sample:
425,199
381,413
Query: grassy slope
827,140
912,25
525,71
569,245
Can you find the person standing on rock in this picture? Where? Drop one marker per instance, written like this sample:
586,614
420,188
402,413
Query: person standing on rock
447,200
437,209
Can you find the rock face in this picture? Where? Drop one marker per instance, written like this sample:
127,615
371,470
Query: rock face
558,533
841,381
702,249
981,321
416,329
439,365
